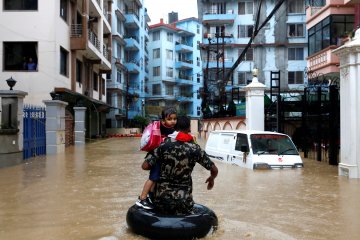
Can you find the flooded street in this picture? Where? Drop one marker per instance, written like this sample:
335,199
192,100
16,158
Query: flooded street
86,192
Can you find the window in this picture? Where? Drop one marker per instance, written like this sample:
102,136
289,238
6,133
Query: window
169,72
295,54
169,90
246,8
118,76
198,77
295,30
329,32
156,71
156,89
296,6
64,61
169,54
296,77
156,53
245,31
20,4
244,78
198,61
102,86
198,110
156,36
240,141
95,81
197,28
249,55
78,71
170,37
64,9
20,56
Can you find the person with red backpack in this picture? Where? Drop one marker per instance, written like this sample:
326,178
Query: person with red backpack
149,142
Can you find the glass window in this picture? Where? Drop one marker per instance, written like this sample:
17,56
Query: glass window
296,6
295,54
245,31
240,141
169,90
296,77
156,89
95,81
20,4
170,37
156,36
245,8
64,9
118,76
64,61
244,78
20,56
272,144
295,30
169,54
169,72
156,71
249,56
78,71
156,53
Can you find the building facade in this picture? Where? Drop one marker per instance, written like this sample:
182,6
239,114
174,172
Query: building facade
175,67
126,83
280,46
62,51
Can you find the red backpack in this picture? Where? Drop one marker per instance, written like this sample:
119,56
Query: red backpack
151,137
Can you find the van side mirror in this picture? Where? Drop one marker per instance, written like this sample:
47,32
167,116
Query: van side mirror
244,148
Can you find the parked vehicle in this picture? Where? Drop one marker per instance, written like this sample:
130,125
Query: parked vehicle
253,149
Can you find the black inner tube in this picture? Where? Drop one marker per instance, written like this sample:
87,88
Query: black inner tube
154,225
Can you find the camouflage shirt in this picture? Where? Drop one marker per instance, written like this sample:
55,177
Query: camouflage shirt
173,191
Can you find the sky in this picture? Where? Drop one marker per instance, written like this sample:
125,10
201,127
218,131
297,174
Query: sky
160,8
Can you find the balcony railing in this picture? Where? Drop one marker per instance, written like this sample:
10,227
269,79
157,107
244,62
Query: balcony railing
94,40
76,30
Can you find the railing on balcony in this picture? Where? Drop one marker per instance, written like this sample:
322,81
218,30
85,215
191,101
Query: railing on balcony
314,10
133,37
181,76
76,30
213,11
185,60
184,43
132,11
105,51
94,40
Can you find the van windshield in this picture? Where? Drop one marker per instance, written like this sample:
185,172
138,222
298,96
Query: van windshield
272,144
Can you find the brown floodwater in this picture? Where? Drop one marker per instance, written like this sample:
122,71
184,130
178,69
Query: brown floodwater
85,194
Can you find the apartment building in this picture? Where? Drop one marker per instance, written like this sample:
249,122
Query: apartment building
59,50
281,46
175,67
126,83
329,24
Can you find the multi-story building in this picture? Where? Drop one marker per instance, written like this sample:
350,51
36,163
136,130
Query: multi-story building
329,22
62,48
126,83
175,67
281,46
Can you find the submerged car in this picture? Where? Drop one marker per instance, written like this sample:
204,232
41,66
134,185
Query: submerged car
253,149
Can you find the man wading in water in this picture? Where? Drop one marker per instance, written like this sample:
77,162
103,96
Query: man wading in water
178,155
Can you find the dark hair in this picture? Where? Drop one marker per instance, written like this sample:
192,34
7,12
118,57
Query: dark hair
183,123
167,112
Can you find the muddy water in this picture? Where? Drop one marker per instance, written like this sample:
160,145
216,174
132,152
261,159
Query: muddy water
86,192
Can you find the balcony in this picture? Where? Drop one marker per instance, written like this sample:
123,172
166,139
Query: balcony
228,63
132,20
324,62
132,67
183,47
120,15
132,43
183,64
217,38
184,80
219,18
119,38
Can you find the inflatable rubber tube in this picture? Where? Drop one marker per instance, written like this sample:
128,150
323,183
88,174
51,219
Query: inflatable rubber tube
153,225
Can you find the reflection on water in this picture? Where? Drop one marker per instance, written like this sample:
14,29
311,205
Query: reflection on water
86,192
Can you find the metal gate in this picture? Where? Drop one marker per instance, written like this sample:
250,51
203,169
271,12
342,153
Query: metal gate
34,131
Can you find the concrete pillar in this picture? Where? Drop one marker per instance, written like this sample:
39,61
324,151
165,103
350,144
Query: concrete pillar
255,104
11,127
80,113
55,126
349,54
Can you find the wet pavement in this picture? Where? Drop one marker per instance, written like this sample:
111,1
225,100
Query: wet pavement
86,192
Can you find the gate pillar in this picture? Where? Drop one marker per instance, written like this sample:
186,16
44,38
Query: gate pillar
11,126
349,54
55,126
255,104
80,125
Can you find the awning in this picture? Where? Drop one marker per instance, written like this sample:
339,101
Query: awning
79,100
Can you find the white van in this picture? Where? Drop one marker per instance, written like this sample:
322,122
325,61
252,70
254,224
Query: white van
253,149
